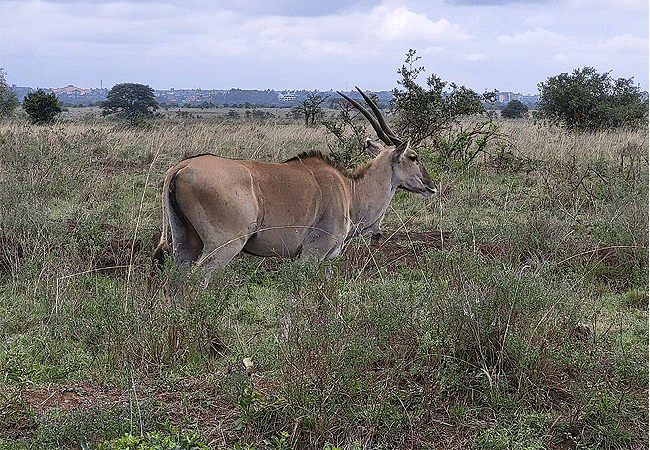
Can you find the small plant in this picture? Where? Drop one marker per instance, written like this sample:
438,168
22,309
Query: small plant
251,404
169,440
636,298
279,442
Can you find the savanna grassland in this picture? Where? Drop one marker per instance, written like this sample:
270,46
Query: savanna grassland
508,311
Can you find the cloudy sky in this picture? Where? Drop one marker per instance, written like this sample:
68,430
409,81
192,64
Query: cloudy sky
510,45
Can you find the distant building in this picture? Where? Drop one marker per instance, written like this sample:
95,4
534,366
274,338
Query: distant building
75,95
287,97
530,99
506,97
71,90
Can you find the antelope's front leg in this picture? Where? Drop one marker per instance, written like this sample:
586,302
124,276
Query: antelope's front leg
375,232
320,249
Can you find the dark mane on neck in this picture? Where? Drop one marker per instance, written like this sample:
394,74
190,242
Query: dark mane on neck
353,174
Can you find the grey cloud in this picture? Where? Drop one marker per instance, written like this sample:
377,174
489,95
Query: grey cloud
299,8
496,2
255,8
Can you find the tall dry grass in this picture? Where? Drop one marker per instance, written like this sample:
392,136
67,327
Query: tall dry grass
529,330
550,143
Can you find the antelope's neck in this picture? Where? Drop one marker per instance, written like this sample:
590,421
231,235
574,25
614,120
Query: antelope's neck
371,195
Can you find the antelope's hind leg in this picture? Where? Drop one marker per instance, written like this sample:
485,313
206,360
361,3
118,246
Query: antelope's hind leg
217,253
187,245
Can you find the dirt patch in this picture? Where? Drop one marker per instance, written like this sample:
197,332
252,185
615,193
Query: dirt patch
394,250
68,397
21,407
201,400
119,250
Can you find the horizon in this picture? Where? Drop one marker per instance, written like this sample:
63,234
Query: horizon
233,88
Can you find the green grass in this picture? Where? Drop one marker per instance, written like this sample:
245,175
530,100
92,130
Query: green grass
528,330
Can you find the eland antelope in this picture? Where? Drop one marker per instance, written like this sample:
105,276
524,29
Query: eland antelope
215,207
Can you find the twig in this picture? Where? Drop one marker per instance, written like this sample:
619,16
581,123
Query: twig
85,272
611,247
139,218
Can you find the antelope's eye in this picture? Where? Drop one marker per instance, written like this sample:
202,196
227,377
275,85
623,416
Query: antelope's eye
413,157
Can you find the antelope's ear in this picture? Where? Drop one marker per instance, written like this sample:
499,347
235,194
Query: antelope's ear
373,147
399,150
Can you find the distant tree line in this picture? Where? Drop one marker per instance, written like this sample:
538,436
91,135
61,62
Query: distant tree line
582,100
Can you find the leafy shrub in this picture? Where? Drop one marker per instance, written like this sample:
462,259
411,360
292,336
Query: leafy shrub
310,108
461,147
41,106
350,137
515,110
587,100
433,114
174,440
425,113
8,99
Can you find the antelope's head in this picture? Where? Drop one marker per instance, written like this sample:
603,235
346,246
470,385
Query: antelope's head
408,171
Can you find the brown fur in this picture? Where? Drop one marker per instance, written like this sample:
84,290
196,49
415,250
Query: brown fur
214,207
357,173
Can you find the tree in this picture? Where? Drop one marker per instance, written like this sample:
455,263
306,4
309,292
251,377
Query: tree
41,106
424,113
8,99
310,108
587,100
515,110
434,114
130,100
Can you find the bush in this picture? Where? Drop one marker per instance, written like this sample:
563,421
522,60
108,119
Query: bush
434,114
348,149
41,106
425,113
310,108
515,110
156,441
587,100
8,99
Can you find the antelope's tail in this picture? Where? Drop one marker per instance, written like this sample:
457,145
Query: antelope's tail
164,248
